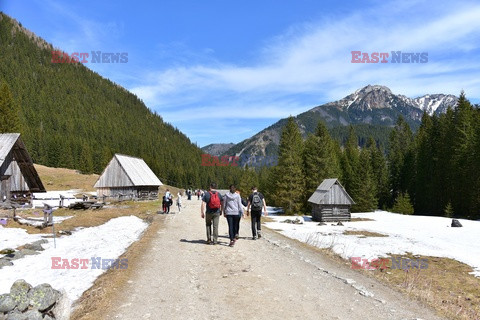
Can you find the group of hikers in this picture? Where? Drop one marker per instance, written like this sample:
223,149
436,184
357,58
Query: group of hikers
167,201
231,207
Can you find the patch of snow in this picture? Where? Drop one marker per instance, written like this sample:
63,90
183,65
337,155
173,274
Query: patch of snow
107,241
419,235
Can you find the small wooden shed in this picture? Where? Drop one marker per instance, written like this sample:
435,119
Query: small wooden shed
330,202
127,177
18,177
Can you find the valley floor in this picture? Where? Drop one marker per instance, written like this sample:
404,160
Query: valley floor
178,276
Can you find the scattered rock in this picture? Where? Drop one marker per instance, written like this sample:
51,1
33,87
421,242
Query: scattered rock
339,223
298,220
7,304
42,297
321,224
14,256
7,251
5,262
68,233
27,252
456,223
33,246
19,293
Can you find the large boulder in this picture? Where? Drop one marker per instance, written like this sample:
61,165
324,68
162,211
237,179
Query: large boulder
16,315
33,315
456,223
7,304
19,293
42,297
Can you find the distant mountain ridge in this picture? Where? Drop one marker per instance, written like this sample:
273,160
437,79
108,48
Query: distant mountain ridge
217,149
372,110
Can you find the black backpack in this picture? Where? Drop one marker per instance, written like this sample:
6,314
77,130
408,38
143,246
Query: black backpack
257,203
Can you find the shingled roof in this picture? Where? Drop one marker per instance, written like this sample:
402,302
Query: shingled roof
12,145
127,171
324,189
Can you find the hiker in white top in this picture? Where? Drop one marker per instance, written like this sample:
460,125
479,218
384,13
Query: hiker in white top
232,210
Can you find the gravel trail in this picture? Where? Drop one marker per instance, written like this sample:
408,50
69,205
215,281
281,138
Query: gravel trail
271,278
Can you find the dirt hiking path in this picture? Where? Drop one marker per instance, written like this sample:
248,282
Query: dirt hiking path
181,277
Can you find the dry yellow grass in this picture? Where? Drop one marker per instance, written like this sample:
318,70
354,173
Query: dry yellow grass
364,233
65,179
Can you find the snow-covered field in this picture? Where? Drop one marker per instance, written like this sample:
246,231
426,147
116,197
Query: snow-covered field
107,241
419,235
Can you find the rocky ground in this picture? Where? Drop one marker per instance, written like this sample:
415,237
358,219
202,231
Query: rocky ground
181,277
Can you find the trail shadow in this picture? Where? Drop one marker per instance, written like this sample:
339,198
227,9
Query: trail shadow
219,243
194,241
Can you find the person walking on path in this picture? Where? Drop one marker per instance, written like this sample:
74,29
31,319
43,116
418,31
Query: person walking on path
210,210
232,210
179,201
256,201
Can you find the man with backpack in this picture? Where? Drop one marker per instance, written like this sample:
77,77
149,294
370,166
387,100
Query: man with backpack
256,201
210,210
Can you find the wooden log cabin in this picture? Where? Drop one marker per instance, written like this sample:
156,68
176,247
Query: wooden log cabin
18,177
127,178
330,202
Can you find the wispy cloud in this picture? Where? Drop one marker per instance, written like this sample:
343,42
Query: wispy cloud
316,59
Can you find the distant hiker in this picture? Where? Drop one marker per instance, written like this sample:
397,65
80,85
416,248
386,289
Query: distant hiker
198,194
256,202
210,210
179,201
164,204
167,201
232,210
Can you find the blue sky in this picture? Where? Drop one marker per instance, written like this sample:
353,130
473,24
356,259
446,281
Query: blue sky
221,71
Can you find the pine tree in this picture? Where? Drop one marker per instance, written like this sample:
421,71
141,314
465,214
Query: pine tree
403,204
289,179
9,111
380,173
362,187
319,160
425,167
400,159
248,180
463,161
349,160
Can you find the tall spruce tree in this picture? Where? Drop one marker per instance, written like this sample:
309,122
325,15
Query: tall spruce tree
380,173
362,186
462,156
289,179
425,167
319,160
9,111
400,159
349,160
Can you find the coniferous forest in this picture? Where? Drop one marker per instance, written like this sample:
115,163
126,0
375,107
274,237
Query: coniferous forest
71,117
435,171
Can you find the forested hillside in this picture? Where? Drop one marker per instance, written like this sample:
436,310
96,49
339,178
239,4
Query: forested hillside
435,171
71,117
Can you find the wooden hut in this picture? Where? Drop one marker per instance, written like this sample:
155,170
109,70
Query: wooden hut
127,177
330,202
18,177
